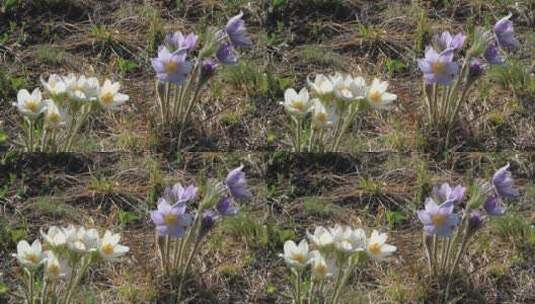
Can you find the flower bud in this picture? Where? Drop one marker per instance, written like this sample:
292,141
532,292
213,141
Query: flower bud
475,222
476,69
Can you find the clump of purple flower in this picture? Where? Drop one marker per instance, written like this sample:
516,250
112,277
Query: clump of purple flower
184,218
447,80
447,232
183,67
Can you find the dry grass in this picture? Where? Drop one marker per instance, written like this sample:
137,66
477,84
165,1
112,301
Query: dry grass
240,121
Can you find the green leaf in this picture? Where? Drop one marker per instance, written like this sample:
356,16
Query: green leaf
126,217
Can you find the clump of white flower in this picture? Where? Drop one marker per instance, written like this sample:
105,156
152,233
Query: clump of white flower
54,270
333,255
52,124
321,118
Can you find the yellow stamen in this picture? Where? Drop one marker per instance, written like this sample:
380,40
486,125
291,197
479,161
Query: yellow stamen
31,105
438,219
53,270
298,105
106,98
32,258
169,219
171,67
375,96
438,67
107,249
374,248
321,117
298,257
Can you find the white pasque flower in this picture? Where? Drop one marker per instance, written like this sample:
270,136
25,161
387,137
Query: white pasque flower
82,88
321,268
30,105
54,237
31,256
378,97
55,85
81,239
109,247
54,117
321,238
296,255
376,247
55,269
322,85
109,96
347,239
297,104
348,88
322,117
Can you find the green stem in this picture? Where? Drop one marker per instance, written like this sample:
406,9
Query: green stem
187,114
298,135
186,267
30,131
30,287
428,253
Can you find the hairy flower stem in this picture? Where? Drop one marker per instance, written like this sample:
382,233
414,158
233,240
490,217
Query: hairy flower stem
44,291
311,292
435,264
445,251
343,275
187,114
298,134
85,265
311,140
195,229
30,131
30,274
428,253
456,261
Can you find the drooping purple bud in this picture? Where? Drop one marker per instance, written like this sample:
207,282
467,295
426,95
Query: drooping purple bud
237,184
476,68
208,68
475,221
505,33
503,183
226,54
492,54
208,221
237,31
493,206
225,207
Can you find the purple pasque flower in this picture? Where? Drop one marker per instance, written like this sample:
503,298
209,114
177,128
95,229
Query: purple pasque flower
503,183
226,54
447,193
171,220
178,194
438,68
505,34
476,68
438,219
225,207
177,41
446,41
171,67
237,184
237,32
475,221
493,207
492,54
